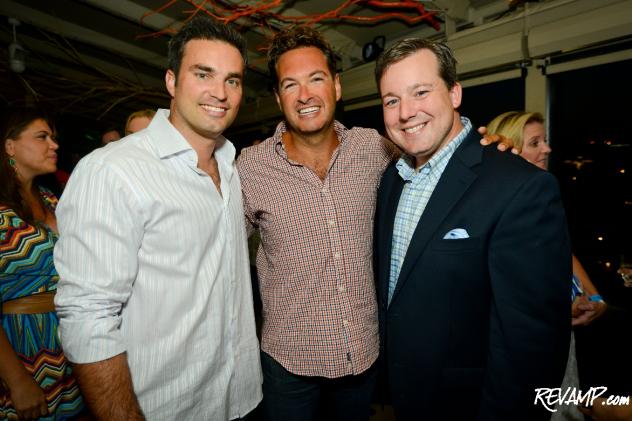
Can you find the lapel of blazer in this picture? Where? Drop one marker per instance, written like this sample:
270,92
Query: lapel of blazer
454,182
391,189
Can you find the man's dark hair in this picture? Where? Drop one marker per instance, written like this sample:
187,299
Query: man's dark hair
298,37
206,28
404,48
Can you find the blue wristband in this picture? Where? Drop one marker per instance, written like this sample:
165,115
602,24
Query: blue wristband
596,297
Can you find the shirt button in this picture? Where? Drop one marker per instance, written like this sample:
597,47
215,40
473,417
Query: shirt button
337,255
345,323
341,288
331,222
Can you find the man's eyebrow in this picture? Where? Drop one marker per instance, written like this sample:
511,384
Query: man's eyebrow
410,88
237,75
419,85
203,68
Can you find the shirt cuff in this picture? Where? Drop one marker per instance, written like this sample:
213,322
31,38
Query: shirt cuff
89,341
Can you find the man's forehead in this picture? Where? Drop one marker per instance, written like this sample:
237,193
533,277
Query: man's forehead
300,60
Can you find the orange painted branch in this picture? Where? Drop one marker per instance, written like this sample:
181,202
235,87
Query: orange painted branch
261,12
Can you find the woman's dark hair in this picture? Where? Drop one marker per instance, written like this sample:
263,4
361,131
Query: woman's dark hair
12,123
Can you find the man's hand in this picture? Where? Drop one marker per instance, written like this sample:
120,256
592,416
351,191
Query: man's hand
504,143
28,398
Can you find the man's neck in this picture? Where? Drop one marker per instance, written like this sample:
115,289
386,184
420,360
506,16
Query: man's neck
203,146
313,152
321,144
205,149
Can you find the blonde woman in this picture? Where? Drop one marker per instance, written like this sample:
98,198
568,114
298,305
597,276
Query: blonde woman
138,120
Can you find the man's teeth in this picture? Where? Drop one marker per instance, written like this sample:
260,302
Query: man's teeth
211,108
308,110
415,129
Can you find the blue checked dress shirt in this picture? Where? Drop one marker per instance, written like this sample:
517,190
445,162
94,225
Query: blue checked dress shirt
416,193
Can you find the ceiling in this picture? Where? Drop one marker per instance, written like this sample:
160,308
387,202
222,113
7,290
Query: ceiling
103,59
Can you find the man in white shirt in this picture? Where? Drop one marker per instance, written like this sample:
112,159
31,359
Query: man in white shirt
154,299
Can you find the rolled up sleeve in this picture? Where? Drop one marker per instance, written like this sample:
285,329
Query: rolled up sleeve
100,229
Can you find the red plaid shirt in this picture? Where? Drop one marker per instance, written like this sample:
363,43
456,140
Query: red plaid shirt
315,258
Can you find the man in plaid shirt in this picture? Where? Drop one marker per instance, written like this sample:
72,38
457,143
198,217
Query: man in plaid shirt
310,189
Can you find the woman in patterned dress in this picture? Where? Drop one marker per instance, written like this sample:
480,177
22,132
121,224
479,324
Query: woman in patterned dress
36,381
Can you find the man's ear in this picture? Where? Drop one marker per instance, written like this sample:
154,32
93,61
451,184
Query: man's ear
278,99
456,93
338,87
170,82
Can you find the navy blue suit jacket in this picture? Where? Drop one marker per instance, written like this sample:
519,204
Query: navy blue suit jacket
476,324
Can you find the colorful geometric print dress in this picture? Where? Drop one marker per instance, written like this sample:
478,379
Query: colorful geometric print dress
26,268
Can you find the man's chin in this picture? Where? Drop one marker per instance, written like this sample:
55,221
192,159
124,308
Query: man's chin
311,129
209,133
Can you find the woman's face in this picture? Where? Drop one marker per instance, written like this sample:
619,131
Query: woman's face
535,147
34,150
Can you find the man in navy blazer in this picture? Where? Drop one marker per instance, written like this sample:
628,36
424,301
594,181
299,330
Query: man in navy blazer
472,256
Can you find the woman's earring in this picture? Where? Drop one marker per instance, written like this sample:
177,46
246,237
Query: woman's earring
11,162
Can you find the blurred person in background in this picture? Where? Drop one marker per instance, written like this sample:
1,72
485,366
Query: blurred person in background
110,134
138,120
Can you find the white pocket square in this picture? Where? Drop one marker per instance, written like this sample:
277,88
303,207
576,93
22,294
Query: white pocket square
456,234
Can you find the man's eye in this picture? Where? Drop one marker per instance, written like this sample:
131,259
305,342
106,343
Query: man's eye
201,75
421,93
233,82
288,86
390,102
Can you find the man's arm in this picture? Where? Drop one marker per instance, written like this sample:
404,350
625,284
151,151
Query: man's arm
530,272
243,168
101,227
111,379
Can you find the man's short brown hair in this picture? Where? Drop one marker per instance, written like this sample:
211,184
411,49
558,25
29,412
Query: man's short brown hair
404,48
298,37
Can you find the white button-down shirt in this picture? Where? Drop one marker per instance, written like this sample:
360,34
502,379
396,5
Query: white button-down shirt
154,262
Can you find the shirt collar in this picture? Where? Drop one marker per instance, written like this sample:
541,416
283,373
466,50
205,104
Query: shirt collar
339,128
168,141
